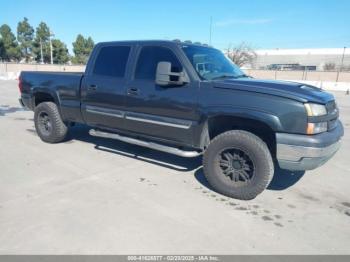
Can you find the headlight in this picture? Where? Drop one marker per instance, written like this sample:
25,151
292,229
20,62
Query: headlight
316,128
315,109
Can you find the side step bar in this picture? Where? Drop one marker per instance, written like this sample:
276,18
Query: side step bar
152,145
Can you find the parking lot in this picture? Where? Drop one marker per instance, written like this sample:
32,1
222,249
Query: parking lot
96,196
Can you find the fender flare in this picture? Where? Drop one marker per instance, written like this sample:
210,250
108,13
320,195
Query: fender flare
270,119
48,91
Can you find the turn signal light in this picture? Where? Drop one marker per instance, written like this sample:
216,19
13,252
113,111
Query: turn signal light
316,128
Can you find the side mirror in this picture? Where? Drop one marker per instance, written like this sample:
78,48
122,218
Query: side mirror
165,77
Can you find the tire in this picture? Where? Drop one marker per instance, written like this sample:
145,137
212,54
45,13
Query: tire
238,164
54,131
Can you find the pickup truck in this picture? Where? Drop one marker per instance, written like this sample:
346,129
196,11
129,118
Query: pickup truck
189,100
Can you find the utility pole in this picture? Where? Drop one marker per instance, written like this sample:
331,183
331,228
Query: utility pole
51,56
341,63
210,29
41,52
342,59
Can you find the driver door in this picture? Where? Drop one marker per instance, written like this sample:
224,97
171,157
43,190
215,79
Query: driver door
165,113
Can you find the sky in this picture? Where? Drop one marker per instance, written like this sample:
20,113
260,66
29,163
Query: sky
263,24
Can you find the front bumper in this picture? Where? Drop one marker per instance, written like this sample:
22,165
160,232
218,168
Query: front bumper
306,152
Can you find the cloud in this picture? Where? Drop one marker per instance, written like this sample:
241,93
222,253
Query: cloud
230,22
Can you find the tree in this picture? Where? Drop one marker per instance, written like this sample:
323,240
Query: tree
82,48
241,54
89,45
41,43
329,67
9,50
25,34
60,52
2,50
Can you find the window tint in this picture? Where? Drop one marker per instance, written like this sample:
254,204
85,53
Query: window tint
111,61
149,58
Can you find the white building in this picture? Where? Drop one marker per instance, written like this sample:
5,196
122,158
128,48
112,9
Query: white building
312,59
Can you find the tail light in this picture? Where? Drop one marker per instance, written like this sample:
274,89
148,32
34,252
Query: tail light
20,84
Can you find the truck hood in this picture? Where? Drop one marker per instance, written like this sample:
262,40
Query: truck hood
296,91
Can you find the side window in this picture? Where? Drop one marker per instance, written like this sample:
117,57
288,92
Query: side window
111,61
148,60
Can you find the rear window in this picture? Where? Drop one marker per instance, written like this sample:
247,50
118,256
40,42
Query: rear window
111,61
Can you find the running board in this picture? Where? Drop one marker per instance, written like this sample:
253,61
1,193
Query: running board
152,145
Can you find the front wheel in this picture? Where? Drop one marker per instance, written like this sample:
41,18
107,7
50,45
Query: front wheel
48,123
238,164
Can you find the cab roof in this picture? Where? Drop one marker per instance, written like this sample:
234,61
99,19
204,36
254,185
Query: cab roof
155,42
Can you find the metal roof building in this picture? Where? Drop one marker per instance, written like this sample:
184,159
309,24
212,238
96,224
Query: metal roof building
313,58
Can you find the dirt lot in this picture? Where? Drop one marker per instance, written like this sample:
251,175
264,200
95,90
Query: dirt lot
91,195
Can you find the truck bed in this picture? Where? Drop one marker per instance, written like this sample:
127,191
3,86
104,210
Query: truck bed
63,87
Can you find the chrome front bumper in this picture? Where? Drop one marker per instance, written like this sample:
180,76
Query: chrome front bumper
302,152
304,158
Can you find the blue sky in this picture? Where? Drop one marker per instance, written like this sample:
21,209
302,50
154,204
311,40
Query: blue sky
261,23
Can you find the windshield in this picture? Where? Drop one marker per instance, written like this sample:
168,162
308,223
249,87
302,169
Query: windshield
211,63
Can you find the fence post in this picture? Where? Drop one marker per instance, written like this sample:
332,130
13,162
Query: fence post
337,78
5,67
341,64
275,74
305,74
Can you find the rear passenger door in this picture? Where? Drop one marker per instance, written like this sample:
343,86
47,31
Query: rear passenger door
104,86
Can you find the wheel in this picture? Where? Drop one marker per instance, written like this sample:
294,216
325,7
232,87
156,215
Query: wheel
238,164
48,123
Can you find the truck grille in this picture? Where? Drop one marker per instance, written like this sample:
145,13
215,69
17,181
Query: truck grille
331,107
332,111
332,124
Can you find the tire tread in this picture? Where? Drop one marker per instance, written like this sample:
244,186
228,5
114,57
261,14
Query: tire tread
254,140
59,128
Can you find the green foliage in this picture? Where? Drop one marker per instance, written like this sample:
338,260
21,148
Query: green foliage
25,34
2,50
42,39
28,45
60,52
9,50
82,48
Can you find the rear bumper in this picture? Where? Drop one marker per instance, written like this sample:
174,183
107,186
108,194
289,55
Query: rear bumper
304,152
21,102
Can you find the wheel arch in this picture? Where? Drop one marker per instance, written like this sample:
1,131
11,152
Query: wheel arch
44,95
41,95
261,124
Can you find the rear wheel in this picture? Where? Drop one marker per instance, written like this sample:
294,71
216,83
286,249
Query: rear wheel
48,123
238,164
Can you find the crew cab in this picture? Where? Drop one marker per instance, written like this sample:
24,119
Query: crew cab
189,100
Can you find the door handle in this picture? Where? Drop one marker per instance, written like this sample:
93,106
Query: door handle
133,91
92,87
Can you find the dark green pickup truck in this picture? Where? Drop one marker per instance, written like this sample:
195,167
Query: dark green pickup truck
188,100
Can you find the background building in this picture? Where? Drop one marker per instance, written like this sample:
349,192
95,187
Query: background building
321,59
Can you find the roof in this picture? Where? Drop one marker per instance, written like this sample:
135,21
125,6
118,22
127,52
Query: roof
158,42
